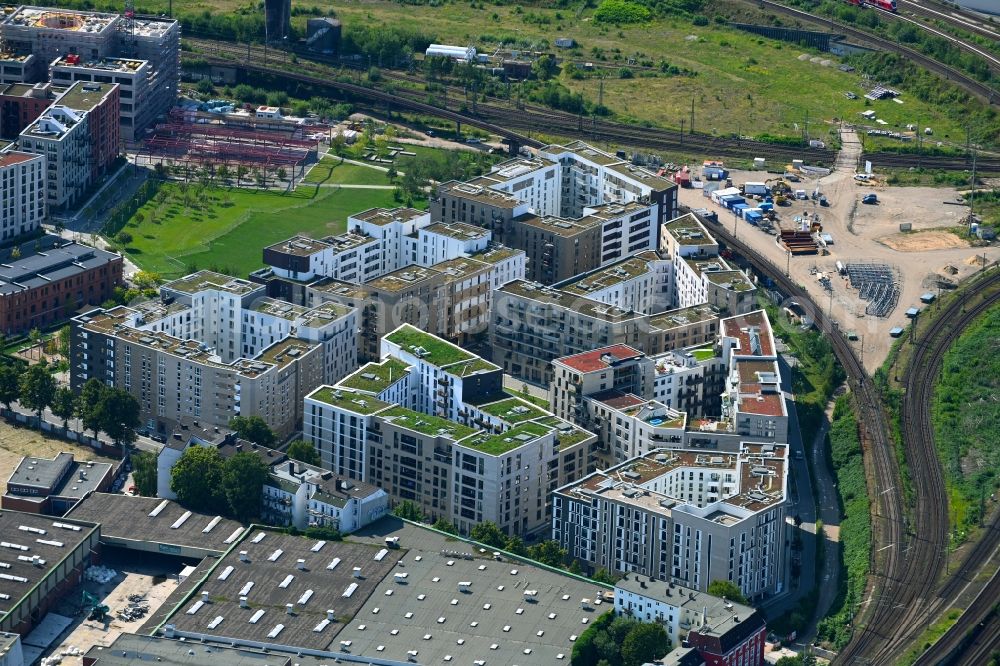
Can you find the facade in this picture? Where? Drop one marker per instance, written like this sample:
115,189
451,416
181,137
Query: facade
431,424
54,486
722,632
50,279
572,208
22,194
687,517
214,348
140,54
79,138
531,325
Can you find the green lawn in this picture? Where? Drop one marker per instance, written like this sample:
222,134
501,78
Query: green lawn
331,171
227,228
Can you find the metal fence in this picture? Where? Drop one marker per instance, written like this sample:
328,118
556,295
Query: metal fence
876,283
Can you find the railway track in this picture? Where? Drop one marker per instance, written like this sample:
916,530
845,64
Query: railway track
961,20
907,559
977,88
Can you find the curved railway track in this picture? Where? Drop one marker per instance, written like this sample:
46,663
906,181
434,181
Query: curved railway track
964,81
907,559
939,12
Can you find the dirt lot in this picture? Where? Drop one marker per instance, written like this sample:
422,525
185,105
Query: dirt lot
154,580
16,443
864,233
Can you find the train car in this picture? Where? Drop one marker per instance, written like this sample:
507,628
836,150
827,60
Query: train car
887,5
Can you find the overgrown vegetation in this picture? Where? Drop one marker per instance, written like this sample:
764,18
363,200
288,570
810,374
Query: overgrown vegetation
621,11
966,419
619,641
855,525
931,636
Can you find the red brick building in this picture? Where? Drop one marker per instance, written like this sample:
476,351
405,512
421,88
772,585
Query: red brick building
739,642
43,282
21,104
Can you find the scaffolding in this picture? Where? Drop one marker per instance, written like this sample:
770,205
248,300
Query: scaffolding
876,283
202,144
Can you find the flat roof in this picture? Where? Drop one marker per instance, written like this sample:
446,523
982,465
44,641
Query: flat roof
476,192
457,230
384,216
32,535
69,20
136,650
719,612
46,259
12,157
607,276
514,410
558,298
348,399
687,230
430,348
299,246
684,316
426,423
599,359
403,278
62,476
492,621
128,518
117,65
271,577
500,443
376,377
203,280
753,331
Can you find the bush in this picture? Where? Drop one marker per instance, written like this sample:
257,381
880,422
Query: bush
621,11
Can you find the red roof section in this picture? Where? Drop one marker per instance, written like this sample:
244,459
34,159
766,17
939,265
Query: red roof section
592,361
7,159
752,401
618,400
739,328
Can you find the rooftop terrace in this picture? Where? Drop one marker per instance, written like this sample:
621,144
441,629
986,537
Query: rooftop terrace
429,348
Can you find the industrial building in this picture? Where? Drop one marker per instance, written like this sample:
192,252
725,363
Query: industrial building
141,54
79,137
49,278
43,561
683,516
54,487
722,632
430,411
213,348
430,600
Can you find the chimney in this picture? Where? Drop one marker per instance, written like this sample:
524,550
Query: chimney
243,556
300,565
357,572
291,467
204,597
329,615
290,609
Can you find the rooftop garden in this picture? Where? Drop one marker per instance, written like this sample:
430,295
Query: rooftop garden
376,377
427,424
470,367
514,410
499,444
434,350
703,353
349,400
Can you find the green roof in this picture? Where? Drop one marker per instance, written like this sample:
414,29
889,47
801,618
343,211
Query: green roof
471,367
513,410
426,424
361,403
376,377
435,350
703,353
565,438
499,444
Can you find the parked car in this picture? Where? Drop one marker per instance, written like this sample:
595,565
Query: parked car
869,199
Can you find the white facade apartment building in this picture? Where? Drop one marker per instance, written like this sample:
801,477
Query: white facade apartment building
639,283
22,193
62,135
307,496
684,516
535,182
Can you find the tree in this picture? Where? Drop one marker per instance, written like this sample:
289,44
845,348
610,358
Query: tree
124,237
644,643
489,533
241,173
443,525
282,173
408,510
515,544
38,388
147,280
144,473
35,336
197,479
548,552
243,476
544,68
727,589
223,172
88,404
253,429
205,86
64,404
303,451
603,576
64,337
10,384
118,412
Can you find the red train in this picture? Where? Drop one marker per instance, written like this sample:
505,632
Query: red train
887,5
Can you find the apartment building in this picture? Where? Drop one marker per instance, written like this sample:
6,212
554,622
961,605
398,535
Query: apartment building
700,275
683,516
430,423
723,633
531,325
22,204
79,138
141,54
214,348
572,208
639,283
46,280
22,103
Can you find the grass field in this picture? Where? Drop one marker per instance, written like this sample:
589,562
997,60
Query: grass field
744,83
226,228
331,171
